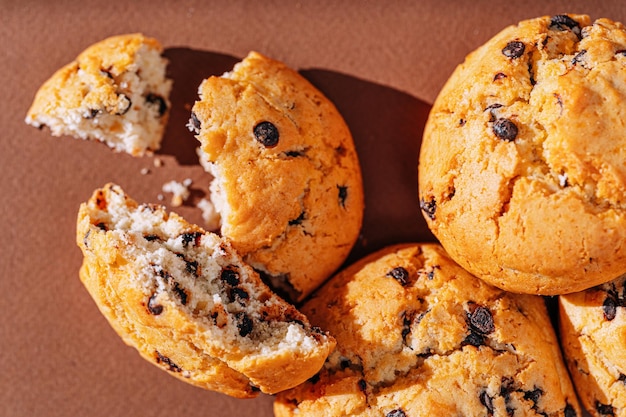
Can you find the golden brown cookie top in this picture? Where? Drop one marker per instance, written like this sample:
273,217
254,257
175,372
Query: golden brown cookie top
417,335
288,183
521,174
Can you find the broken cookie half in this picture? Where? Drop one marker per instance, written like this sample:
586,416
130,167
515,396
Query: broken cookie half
116,92
188,303
288,185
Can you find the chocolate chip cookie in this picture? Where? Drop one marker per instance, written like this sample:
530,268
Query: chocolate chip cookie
417,335
522,173
288,184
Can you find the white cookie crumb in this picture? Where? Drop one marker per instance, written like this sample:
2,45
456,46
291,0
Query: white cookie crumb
211,217
180,191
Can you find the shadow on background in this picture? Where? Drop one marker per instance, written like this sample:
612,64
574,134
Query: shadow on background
188,67
386,124
387,127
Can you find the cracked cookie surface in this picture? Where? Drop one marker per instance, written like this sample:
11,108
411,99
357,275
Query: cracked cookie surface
593,334
521,173
287,182
417,335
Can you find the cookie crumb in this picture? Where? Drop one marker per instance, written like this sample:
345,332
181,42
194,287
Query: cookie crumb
211,217
180,191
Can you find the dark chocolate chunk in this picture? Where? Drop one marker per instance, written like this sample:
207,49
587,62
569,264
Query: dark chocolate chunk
400,274
487,401
237,294
156,99
267,134
171,366
474,339
230,276
362,385
622,378
429,207
244,324
398,412
153,307
151,238
563,22
294,154
579,58
180,292
605,409
621,52
533,395
102,226
407,320
514,49
491,108
343,194
194,124
609,307
505,129
191,237
570,411
499,76
462,122
481,320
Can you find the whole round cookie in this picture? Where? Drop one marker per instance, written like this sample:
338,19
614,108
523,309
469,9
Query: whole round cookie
287,182
188,303
522,173
593,335
116,91
417,335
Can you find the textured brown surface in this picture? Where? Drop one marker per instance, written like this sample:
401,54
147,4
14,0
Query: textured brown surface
381,63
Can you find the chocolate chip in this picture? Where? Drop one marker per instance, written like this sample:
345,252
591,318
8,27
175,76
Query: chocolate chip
481,320
362,385
343,194
399,274
609,307
398,412
314,379
102,226
171,366
153,307
267,134
429,207
563,22
237,294
151,238
499,76
487,401
180,292
570,411
407,320
156,99
579,58
533,395
245,324
621,52
474,339
194,124
192,267
294,154
505,129
605,409
514,49
622,378
230,276
491,108
192,237
462,122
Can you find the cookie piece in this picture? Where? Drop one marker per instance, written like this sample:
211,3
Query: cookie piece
593,335
288,184
188,303
522,175
419,336
116,92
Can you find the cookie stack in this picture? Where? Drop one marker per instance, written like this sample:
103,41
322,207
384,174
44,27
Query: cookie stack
521,179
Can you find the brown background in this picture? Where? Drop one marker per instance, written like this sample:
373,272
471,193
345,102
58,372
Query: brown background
382,63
